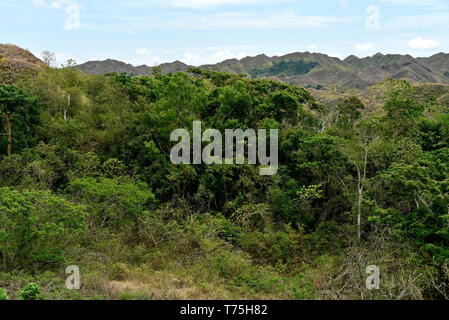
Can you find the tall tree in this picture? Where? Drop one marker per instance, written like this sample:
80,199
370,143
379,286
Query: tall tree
12,100
403,108
359,150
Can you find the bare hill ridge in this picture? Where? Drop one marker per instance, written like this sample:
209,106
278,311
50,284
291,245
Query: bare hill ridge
20,57
313,70
310,69
15,61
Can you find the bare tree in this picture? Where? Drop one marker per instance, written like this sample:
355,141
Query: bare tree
70,63
358,154
48,57
401,277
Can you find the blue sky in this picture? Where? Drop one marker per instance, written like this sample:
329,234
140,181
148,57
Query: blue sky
208,31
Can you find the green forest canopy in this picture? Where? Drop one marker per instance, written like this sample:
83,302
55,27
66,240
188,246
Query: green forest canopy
90,183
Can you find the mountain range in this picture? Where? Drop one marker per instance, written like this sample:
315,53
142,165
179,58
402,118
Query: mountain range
308,69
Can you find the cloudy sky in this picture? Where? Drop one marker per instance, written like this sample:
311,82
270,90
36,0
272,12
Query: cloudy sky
208,31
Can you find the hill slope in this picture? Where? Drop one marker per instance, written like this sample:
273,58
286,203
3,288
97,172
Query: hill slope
15,61
309,69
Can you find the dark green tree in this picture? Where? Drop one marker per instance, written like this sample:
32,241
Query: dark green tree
13,101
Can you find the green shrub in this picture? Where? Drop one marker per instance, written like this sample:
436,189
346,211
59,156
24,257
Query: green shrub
30,292
36,226
231,265
260,279
3,295
273,248
253,217
114,202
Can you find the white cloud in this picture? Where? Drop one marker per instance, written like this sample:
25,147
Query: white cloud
54,4
334,55
364,47
147,57
428,21
227,21
416,2
72,10
431,4
200,4
312,46
240,21
43,3
142,52
283,20
422,43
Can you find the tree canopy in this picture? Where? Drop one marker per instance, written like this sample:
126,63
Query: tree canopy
90,183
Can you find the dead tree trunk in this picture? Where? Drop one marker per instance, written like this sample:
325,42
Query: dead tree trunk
361,175
66,108
359,208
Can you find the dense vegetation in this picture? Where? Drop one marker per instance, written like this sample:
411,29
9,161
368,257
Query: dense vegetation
87,180
284,68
